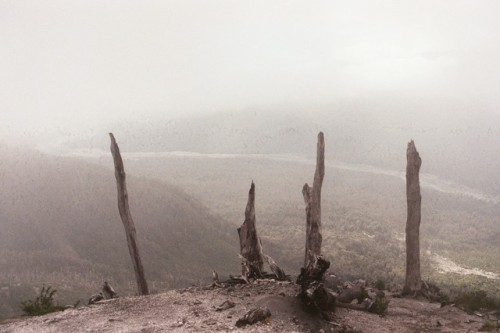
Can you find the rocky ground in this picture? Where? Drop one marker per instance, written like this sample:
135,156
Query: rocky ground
196,310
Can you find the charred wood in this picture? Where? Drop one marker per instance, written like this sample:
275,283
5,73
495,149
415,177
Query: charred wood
253,316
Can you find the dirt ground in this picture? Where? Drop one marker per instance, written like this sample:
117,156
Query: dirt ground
194,310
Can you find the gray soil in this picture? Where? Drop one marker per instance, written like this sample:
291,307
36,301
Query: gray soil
194,310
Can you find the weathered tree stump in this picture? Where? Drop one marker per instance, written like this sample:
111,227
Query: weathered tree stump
315,296
251,254
314,271
312,199
126,217
413,280
250,246
313,293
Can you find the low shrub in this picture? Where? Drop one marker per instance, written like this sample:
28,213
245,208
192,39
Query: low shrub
43,304
489,326
475,300
380,284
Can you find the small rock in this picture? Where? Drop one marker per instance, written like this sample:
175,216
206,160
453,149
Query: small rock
348,329
253,316
224,306
180,323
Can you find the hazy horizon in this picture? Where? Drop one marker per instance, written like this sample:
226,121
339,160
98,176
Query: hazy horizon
240,91
79,66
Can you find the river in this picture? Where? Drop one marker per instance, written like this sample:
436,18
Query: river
427,181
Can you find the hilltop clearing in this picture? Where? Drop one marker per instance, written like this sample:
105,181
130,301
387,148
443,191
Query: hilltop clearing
195,310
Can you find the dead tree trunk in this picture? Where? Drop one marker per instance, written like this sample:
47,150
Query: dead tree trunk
126,217
413,282
250,247
312,199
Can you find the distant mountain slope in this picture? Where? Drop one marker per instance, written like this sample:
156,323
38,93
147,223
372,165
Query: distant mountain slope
59,225
363,213
459,144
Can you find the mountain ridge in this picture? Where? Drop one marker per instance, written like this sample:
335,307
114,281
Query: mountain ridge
361,133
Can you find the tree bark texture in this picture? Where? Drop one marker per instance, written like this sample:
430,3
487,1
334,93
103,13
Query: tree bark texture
313,293
413,281
278,271
312,199
250,246
126,217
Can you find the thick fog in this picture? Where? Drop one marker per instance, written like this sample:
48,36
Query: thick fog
205,97
68,66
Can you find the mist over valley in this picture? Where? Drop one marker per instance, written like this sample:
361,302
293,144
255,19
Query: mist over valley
205,99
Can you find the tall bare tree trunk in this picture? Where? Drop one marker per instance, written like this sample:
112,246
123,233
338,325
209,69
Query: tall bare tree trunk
312,198
126,217
413,281
250,246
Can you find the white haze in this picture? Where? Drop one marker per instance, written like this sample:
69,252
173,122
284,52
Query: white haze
68,67
204,96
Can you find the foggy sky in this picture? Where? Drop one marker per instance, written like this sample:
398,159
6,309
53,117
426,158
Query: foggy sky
68,65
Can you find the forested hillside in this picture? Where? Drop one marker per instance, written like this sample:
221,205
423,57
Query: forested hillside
363,213
59,226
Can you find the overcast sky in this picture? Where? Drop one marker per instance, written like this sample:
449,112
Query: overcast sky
67,64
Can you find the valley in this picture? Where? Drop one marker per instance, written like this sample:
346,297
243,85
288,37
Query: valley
364,211
72,237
